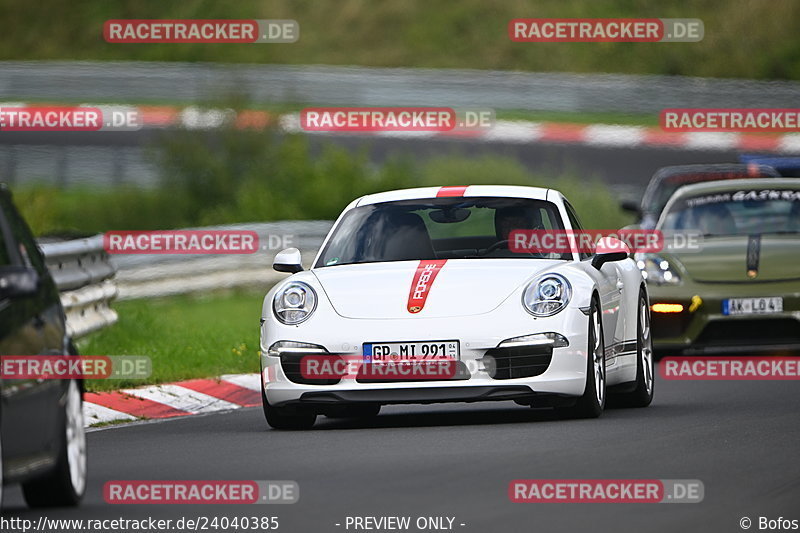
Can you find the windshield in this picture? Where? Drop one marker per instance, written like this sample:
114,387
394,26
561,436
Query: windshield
670,179
741,212
437,228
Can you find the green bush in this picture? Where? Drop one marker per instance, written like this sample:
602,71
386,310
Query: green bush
233,175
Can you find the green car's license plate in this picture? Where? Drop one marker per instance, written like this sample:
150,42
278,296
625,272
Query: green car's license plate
752,306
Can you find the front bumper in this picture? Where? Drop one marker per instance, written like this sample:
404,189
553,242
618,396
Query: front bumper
702,328
479,335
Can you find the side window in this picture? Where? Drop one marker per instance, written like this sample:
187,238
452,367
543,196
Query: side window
576,226
26,247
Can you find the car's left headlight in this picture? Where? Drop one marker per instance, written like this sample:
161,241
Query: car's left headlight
547,295
294,303
655,269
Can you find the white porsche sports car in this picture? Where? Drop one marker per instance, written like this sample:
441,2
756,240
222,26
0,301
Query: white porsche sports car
418,296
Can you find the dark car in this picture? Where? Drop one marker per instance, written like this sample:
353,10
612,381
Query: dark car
667,180
785,165
42,440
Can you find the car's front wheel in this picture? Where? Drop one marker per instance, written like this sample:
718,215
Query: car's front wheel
66,484
593,401
286,417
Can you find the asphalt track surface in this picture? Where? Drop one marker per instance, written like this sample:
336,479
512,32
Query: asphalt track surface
741,439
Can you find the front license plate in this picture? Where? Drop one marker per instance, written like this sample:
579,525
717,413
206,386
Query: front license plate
397,352
752,306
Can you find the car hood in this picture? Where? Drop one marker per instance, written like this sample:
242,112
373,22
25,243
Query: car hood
726,259
461,287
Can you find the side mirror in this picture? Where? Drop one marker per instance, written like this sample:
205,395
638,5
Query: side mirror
609,249
288,260
631,207
18,282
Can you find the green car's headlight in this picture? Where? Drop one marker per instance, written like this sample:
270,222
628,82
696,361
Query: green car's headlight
547,295
655,269
294,303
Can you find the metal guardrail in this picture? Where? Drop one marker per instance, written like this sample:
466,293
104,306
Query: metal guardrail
148,276
83,273
88,279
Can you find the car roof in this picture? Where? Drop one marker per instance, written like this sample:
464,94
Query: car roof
788,166
509,191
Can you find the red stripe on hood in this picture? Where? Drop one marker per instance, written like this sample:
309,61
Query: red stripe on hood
421,284
452,191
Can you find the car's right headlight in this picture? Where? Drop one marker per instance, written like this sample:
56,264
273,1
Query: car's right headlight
294,303
547,295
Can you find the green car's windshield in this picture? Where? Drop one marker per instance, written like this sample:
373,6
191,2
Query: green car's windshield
669,179
437,228
737,212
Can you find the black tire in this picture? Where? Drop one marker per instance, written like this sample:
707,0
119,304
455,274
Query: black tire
65,485
285,417
1,469
593,400
642,395
369,410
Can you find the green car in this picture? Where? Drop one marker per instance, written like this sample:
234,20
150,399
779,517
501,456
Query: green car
728,279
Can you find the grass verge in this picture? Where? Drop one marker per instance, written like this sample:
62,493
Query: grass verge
186,337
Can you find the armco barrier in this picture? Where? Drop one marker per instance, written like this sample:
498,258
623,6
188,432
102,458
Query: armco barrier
89,279
148,276
83,273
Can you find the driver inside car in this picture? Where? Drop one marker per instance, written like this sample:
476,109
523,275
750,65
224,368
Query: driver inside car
508,219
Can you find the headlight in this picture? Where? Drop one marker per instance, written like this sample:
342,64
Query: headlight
547,295
656,269
294,303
